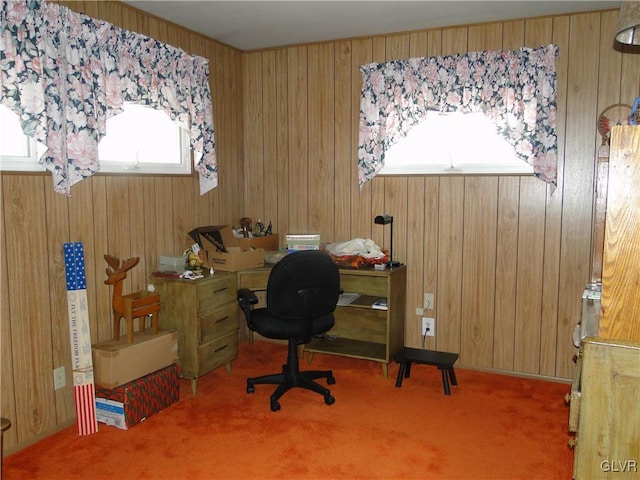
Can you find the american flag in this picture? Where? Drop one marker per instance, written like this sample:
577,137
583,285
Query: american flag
82,365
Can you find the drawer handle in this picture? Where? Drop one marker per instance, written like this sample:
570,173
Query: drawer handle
221,290
221,348
222,319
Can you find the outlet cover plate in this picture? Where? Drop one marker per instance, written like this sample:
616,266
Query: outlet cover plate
428,326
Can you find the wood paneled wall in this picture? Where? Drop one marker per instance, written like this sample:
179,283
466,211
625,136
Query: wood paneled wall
126,216
507,257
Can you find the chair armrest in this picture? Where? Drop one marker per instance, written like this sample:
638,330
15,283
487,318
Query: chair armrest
247,298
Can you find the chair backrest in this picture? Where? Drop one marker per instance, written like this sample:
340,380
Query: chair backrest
298,271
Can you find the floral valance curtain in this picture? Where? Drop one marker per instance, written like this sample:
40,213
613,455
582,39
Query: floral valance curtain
65,73
515,89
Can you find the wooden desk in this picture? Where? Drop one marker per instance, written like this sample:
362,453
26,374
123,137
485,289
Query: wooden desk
360,331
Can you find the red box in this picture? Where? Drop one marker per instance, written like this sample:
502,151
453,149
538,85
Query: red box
133,402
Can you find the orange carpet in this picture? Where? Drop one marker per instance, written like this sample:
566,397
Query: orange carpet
491,427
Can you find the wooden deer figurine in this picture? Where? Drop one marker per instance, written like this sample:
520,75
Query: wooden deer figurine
135,305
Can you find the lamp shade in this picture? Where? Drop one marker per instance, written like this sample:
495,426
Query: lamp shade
628,29
383,219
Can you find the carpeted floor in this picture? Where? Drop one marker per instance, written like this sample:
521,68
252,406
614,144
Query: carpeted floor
491,427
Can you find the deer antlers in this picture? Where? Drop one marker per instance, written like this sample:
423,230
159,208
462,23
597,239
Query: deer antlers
118,271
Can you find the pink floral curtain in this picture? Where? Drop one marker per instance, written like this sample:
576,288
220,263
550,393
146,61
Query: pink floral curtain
65,73
515,89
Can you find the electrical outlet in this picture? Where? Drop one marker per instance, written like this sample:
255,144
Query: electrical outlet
429,303
59,380
428,327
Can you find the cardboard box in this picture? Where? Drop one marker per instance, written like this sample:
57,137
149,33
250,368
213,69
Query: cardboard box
213,239
118,362
268,243
133,402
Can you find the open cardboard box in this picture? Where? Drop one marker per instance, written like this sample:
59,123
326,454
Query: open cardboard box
214,239
266,243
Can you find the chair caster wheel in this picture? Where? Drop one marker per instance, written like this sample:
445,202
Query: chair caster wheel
329,400
251,388
331,380
275,406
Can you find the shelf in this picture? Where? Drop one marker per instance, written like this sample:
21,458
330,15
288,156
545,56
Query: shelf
347,347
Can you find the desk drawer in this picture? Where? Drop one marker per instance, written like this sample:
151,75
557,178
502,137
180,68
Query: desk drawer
217,352
220,292
218,322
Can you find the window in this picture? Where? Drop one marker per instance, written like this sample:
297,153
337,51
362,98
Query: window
139,140
18,153
454,143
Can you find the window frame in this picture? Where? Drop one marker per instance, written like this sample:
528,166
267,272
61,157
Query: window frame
30,163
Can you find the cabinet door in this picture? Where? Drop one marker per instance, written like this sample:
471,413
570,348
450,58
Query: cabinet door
608,442
621,264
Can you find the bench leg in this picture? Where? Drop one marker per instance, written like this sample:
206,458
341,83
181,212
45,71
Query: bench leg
445,381
452,377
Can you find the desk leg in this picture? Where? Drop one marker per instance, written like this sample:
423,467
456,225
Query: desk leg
227,367
385,370
309,357
194,386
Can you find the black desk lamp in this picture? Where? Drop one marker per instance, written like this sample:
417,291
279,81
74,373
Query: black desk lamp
387,220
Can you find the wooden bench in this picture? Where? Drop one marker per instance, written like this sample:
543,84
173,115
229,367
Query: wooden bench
443,360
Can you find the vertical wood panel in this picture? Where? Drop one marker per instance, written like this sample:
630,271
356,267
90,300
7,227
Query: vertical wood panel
31,329
344,181
360,200
579,151
298,140
282,167
253,127
321,118
551,336
417,234
531,240
269,186
7,382
57,219
450,241
478,273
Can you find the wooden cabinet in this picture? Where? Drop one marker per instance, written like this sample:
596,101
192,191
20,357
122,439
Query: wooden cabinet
205,314
360,330
605,410
620,316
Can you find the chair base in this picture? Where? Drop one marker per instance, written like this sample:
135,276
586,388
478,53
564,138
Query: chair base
292,377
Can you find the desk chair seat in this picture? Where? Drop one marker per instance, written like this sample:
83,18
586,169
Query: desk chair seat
302,293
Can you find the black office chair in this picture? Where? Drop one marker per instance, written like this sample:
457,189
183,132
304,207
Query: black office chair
302,293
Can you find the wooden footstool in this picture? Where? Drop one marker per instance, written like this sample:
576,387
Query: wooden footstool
443,360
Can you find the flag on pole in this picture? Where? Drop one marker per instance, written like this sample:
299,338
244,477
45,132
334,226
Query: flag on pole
81,361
